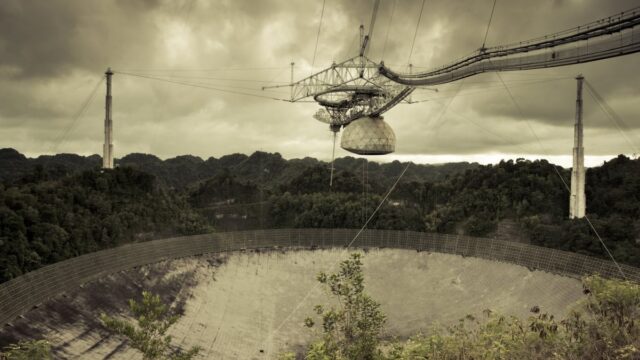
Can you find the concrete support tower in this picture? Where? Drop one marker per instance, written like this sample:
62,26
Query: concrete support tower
578,199
107,151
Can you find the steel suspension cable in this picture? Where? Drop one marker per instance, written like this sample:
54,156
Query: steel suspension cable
272,92
187,77
77,116
200,86
528,55
333,160
560,175
480,91
315,51
489,24
372,24
222,69
486,130
386,39
415,34
617,120
304,299
446,106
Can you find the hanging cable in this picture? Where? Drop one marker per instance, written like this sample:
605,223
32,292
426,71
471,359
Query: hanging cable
483,90
438,122
221,86
416,32
315,51
617,120
507,140
386,38
488,24
366,190
200,86
372,24
560,175
333,158
225,86
363,215
273,79
222,69
222,79
346,248
517,106
77,116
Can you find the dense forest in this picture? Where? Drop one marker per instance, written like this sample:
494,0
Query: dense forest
185,171
474,202
56,207
44,220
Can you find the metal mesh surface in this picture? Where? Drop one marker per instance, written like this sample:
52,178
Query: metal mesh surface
22,293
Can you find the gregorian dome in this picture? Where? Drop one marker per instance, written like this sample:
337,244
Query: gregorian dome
369,136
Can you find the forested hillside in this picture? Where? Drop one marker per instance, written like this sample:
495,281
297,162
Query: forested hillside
187,170
52,212
473,202
56,207
14,165
45,219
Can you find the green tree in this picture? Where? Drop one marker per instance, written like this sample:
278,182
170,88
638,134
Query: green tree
603,325
43,220
148,334
606,322
352,329
27,350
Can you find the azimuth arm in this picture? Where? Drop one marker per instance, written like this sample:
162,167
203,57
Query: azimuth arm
602,39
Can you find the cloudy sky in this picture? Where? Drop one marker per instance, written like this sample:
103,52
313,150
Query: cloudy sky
53,55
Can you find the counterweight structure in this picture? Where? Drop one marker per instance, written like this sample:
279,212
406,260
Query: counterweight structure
107,151
577,205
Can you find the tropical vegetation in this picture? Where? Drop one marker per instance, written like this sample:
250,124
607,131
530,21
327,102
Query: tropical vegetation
605,324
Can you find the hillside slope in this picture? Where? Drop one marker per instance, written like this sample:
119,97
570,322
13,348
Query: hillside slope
187,170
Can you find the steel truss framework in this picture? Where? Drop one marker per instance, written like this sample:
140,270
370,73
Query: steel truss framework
349,90
602,39
360,87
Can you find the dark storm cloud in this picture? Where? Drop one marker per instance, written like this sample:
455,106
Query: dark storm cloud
52,53
49,38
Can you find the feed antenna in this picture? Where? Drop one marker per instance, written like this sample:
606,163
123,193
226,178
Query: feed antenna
354,93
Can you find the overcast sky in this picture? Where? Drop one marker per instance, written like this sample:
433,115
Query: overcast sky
54,53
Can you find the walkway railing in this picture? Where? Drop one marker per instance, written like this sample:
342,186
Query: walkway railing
19,295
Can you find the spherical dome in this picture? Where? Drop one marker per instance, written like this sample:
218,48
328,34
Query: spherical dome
368,136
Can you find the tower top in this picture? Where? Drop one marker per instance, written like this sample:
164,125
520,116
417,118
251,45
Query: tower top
579,77
108,72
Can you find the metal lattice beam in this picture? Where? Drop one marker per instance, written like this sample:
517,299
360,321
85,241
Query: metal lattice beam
360,87
350,89
602,39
